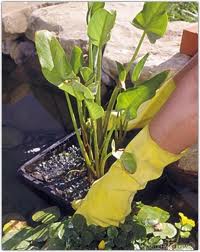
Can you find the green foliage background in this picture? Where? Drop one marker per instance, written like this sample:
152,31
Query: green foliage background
183,11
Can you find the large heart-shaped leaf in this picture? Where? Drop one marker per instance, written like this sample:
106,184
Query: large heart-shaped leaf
53,60
130,100
76,89
152,215
138,68
95,110
100,26
152,19
76,59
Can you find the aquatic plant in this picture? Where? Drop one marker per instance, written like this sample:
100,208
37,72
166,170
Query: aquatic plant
100,125
147,228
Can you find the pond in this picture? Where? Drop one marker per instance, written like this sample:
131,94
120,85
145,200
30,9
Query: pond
34,116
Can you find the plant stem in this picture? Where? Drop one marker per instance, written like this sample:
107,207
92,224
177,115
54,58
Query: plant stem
96,148
128,67
90,55
110,107
104,150
98,76
81,145
118,86
84,130
103,162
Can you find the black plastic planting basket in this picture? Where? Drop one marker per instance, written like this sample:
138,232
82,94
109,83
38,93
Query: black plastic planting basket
59,172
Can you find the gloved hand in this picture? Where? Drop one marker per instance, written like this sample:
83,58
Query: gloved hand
109,199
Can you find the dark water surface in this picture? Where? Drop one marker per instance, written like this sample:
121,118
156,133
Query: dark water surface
33,116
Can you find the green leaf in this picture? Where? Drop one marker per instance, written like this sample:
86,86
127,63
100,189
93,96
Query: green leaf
86,73
55,65
183,247
99,232
152,19
128,161
147,214
167,230
138,68
130,100
79,223
112,232
39,233
93,7
57,229
14,238
76,59
87,237
48,215
96,111
184,234
100,26
93,87
186,227
54,244
121,73
76,89
178,225
154,240
139,231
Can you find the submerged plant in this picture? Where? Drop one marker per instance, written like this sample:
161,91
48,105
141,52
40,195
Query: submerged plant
100,125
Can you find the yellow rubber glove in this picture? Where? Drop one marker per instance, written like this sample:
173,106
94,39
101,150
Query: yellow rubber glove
109,199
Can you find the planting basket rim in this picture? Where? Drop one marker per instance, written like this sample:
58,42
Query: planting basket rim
39,185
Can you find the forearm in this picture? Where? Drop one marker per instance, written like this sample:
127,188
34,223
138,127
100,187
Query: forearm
175,126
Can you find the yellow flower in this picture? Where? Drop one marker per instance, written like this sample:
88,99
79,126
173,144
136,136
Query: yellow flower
102,245
185,220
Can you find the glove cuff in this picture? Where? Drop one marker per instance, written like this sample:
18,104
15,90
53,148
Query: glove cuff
145,148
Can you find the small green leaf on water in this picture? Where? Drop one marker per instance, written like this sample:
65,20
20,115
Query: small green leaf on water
138,68
129,162
87,237
112,232
168,231
186,227
76,59
79,223
148,214
184,234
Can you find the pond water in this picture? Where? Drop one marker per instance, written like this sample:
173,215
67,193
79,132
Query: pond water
34,116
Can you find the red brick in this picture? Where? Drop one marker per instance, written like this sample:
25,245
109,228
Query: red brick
189,42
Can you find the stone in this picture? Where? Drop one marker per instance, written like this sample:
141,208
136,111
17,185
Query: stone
67,21
189,162
20,51
15,15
